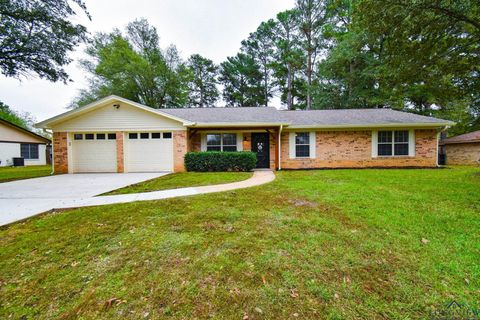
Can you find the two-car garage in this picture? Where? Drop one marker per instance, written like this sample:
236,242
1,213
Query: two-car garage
117,135
142,151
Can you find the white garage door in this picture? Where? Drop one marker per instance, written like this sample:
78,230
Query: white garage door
94,152
149,151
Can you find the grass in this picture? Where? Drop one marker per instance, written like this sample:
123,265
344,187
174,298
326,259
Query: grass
344,244
19,173
183,180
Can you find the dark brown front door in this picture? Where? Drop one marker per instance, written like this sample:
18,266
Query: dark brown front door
261,146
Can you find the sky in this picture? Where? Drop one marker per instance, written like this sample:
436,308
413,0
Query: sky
212,28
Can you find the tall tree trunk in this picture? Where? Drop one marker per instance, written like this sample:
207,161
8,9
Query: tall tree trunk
350,84
202,102
309,79
289,87
265,79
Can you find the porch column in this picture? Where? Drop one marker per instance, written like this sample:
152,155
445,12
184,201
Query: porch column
277,149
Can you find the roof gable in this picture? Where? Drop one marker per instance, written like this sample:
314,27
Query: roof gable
11,132
49,123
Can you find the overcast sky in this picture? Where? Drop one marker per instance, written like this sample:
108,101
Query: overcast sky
212,28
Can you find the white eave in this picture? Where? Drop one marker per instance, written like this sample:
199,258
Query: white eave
102,102
236,124
376,125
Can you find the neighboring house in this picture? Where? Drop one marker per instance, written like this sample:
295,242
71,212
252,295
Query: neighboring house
18,142
118,135
462,149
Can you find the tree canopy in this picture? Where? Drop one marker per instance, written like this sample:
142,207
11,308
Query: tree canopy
24,120
203,85
133,65
36,37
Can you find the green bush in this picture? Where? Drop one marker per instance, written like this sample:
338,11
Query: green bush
220,161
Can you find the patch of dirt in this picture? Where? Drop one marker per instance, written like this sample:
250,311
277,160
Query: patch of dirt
303,203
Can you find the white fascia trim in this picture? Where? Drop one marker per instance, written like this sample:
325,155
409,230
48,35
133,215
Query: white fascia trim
99,103
235,124
113,130
364,126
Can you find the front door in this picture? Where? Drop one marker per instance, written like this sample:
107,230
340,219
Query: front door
261,146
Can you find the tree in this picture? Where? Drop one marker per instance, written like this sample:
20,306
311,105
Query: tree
203,86
430,50
135,67
347,77
260,46
241,78
288,57
312,14
24,120
36,37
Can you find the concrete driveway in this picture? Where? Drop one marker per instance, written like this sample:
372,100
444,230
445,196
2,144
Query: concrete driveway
25,198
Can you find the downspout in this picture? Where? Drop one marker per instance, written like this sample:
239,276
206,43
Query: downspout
52,157
438,141
280,148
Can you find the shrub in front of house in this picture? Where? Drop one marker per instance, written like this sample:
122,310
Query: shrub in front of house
220,161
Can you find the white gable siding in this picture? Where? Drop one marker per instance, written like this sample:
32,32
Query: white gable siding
8,133
109,118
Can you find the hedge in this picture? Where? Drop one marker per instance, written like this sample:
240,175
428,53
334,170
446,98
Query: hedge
220,161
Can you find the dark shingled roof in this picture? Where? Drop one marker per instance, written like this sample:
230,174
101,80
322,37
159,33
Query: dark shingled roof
300,117
356,117
464,138
229,114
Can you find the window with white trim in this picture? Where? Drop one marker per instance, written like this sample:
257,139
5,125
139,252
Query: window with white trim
393,143
222,142
29,150
302,144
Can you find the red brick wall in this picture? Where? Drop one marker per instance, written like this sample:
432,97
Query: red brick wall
463,153
179,150
195,143
119,141
353,149
60,152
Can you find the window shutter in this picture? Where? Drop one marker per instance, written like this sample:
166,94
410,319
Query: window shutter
203,142
374,144
239,141
291,144
411,143
313,142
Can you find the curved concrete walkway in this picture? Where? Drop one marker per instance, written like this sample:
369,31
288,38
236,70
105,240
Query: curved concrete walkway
14,210
258,178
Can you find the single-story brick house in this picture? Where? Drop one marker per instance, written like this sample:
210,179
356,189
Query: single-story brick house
462,149
118,135
18,142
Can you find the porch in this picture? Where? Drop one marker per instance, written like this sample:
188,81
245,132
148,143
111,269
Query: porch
264,141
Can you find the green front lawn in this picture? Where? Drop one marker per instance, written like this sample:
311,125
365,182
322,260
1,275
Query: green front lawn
19,173
333,244
183,180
